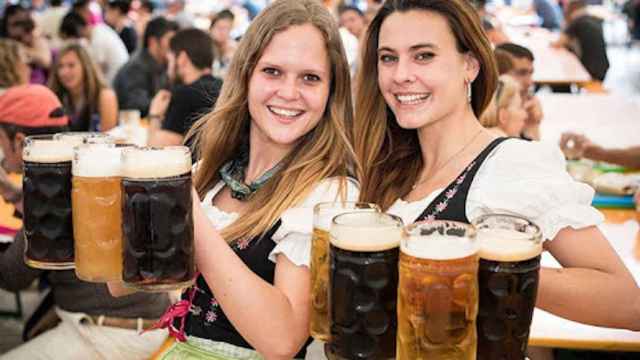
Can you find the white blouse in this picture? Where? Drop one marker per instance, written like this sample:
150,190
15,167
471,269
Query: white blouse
293,237
524,178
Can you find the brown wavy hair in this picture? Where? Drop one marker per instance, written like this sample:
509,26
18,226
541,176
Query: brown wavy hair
92,83
9,59
390,155
324,152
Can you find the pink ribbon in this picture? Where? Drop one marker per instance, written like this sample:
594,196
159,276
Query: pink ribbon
177,310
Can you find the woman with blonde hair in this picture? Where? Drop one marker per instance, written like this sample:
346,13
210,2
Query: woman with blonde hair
505,115
276,143
14,69
78,83
427,74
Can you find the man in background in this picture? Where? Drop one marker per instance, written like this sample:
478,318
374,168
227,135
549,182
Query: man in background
196,91
137,82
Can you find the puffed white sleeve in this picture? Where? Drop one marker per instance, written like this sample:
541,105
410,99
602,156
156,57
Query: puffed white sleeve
293,237
529,179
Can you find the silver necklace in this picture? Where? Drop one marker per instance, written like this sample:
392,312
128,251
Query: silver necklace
439,168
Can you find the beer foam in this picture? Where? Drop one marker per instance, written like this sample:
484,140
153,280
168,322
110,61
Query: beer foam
150,163
507,245
48,151
323,221
79,138
367,232
97,161
438,247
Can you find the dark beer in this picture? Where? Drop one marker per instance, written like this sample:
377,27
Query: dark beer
363,285
510,250
438,292
323,213
157,219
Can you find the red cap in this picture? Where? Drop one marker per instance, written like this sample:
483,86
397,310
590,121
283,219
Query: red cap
31,106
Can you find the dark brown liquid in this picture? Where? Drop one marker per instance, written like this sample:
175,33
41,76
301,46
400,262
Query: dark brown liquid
507,298
363,296
48,225
158,231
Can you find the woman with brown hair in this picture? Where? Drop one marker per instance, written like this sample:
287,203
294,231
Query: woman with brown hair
14,69
427,74
78,83
276,144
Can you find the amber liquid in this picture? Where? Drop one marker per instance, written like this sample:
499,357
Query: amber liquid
437,308
97,228
319,325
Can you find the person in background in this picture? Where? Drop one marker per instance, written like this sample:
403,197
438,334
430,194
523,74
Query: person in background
48,22
104,44
504,60
17,24
223,45
195,92
504,115
580,146
352,19
522,59
78,83
549,13
14,69
427,74
86,322
143,14
117,16
584,36
137,82
176,12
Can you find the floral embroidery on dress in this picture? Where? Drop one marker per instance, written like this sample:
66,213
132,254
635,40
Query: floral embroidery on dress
241,244
449,194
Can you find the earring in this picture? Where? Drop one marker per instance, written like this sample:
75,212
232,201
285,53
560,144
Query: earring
468,91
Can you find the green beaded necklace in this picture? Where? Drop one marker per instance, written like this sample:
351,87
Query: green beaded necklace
233,172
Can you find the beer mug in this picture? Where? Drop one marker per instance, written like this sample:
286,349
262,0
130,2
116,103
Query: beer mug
363,284
46,184
157,218
323,213
96,200
510,249
438,291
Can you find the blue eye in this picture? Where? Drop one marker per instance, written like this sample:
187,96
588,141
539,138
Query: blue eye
425,56
385,58
271,71
311,77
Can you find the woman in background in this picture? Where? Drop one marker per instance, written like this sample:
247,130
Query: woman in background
76,79
505,115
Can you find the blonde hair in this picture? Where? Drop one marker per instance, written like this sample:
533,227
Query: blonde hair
323,152
92,82
389,154
9,60
507,89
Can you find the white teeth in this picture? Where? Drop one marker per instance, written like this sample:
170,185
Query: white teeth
412,99
285,112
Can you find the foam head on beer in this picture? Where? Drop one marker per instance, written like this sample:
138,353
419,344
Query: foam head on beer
432,241
152,163
366,231
97,160
79,137
46,150
325,212
508,238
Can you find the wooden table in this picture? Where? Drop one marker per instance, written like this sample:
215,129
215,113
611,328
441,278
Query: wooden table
610,120
552,66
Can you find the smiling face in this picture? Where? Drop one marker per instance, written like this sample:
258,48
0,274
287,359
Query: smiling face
70,71
289,87
421,73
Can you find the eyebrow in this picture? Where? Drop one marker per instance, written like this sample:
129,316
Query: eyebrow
412,48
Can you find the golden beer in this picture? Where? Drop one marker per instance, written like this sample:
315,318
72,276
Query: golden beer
437,292
323,213
97,212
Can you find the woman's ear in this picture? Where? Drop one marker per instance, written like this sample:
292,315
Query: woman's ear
472,66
